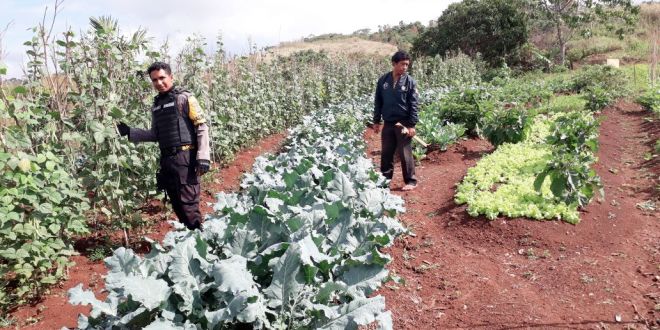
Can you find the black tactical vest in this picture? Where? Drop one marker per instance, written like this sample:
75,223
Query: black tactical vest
173,127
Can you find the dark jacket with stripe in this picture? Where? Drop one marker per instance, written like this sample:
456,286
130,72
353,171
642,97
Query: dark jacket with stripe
396,103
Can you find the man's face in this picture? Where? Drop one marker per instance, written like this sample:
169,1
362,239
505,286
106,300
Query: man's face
161,80
400,67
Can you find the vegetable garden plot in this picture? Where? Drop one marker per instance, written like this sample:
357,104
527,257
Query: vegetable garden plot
505,182
298,247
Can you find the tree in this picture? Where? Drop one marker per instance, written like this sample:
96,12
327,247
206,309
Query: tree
494,28
401,35
571,16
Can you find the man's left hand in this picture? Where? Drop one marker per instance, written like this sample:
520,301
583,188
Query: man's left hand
203,166
411,131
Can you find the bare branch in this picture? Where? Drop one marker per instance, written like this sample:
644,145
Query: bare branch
2,50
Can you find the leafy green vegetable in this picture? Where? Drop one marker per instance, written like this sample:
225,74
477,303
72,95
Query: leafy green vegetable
298,247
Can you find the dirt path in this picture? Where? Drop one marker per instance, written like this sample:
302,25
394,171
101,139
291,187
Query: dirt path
470,273
54,311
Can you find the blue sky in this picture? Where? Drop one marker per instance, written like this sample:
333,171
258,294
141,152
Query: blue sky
263,22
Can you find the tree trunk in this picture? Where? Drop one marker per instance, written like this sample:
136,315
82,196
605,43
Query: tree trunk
562,44
654,57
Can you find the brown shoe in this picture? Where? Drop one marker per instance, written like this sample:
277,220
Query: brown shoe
409,187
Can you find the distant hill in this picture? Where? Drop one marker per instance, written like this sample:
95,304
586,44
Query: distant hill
402,35
337,45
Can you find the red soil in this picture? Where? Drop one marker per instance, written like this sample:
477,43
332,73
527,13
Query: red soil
462,272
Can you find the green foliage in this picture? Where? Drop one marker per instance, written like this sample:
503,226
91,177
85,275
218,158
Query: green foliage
498,110
529,57
42,207
104,68
7,321
521,91
563,103
437,133
570,19
502,183
575,132
297,248
604,76
497,74
573,141
580,49
455,71
651,100
492,28
463,107
507,124
597,98
599,85
250,98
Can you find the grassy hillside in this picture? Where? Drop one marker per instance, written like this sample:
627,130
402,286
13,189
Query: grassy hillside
634,48
338,45
602,44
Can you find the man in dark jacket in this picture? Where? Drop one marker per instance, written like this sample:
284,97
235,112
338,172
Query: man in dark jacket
179,127
396,104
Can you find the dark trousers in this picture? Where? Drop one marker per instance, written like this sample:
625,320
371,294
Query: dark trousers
182,185
392,140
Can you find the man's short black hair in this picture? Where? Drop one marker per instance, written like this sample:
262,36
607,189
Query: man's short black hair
400,56
159,66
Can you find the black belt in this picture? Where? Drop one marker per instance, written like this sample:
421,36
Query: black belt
173,150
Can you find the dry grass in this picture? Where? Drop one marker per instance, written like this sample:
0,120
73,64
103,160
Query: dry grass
347,45
650,14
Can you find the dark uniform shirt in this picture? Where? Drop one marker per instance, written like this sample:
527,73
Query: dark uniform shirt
396,103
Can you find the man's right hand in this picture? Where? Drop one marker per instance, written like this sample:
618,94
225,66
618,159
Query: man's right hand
123,129
376,128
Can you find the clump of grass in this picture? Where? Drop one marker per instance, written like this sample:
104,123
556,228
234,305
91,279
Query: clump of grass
7,321
529,275
582,48
586,279
563,103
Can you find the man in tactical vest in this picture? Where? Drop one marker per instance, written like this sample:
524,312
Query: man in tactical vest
179,127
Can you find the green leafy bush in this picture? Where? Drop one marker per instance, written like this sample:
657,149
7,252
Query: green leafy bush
651,100
573,141
597,97
563,103
462,107
436,132
454,71
507,124
522,91
42,207
493,28
604,76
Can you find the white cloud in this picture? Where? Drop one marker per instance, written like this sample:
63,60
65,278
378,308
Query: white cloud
265,22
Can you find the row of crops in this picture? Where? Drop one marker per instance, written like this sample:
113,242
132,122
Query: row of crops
67,174
298,247
546,137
